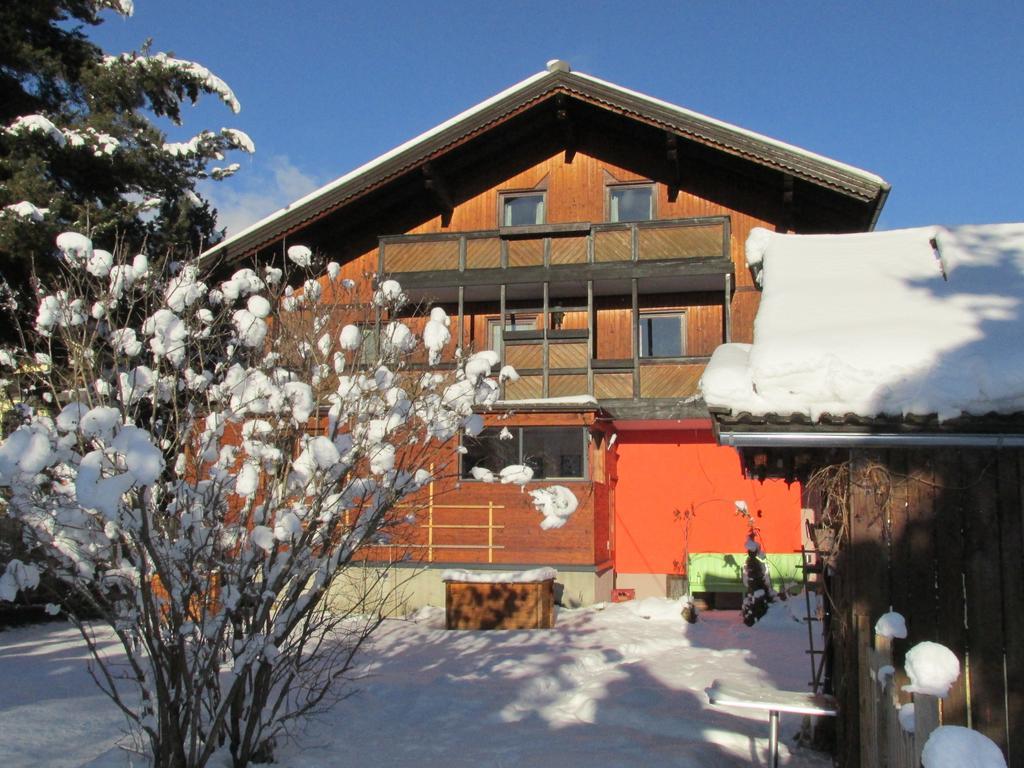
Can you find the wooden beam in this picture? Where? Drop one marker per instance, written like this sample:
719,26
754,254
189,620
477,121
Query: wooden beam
675,174
707,274
635,329
788,208
434,183
726,309
567,126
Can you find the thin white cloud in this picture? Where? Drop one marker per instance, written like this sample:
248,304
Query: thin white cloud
257,191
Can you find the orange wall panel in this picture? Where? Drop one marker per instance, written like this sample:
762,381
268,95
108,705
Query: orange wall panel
661,473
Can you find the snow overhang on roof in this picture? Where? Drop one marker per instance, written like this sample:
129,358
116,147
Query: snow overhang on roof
879,333
857,184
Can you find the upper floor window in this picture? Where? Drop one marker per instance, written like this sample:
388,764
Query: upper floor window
631,202
662,334
522,209
514,321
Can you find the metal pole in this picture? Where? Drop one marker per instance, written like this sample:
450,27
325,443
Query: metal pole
773,738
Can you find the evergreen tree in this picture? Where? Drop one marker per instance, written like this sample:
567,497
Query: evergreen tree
79,148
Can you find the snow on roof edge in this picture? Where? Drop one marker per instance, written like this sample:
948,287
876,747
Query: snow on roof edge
948,299
381,159
866,175
511,90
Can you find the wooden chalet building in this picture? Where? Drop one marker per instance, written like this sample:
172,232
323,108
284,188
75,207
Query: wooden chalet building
593,236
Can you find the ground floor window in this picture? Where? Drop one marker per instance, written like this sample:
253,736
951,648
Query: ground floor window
551,452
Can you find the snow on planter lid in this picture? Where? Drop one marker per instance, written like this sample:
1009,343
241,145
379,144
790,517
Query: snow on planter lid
953,746
499,577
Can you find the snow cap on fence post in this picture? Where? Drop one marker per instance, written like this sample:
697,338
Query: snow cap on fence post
932,669
953,746
891,625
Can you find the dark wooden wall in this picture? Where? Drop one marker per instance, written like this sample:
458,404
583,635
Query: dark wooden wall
937,535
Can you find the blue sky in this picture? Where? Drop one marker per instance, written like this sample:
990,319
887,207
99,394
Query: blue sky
930,95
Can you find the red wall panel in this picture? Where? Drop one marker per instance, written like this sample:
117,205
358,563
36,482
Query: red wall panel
661,473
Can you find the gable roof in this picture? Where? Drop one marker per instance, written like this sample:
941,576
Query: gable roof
559,81
915,326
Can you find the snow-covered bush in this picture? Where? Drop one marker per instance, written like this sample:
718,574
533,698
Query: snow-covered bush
217,450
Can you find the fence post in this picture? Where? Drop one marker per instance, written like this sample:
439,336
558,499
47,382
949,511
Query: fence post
867,736
926,720
887,734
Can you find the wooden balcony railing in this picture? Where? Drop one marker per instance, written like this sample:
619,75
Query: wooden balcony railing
557,245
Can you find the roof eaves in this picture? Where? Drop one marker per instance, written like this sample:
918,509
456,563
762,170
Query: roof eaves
471,122
737,140
384,167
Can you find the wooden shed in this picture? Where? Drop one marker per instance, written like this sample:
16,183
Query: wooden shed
904,425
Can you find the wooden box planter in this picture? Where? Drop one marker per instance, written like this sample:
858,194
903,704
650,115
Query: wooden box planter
496,604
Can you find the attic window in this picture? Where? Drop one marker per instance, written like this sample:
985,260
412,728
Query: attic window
631,202
522,209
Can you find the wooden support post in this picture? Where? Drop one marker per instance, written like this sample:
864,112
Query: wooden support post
591,351
501,318
460,327
635,325
430,520
490,531
727,309
544,340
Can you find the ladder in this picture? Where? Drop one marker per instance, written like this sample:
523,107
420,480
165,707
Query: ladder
812,562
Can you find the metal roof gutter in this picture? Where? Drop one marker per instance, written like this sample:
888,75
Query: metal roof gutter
883,195
867,440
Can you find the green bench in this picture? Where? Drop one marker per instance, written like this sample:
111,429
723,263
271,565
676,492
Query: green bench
718,572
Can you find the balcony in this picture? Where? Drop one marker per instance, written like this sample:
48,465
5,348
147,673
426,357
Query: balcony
564,303
695,250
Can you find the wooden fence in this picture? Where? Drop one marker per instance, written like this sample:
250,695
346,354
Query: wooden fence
885,742
936,534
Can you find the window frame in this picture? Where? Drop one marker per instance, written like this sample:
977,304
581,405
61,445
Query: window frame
521,458
610,190
494,324
521,193
368,353
650,314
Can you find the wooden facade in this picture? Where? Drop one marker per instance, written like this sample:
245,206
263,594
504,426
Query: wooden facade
936,534
582,280
563,300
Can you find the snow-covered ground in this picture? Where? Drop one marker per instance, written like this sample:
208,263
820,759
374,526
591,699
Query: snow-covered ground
618,686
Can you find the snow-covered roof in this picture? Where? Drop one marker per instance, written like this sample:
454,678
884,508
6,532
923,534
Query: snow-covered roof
923,322
558,78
